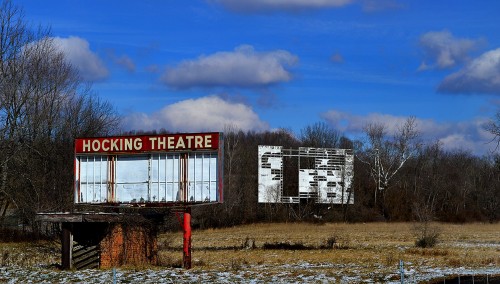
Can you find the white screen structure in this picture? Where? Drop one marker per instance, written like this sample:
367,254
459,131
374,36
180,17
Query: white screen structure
192,177
324,175
270,174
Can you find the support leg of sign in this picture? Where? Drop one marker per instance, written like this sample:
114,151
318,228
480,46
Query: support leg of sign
67,246
187,238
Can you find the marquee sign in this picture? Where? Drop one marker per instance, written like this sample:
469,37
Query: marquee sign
150,170
134,144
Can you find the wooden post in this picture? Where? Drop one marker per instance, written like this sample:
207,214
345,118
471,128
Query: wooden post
67,246
187,238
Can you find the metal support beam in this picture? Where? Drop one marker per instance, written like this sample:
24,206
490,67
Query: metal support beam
67,246
187,239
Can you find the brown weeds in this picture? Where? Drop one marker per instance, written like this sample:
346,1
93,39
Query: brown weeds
362,245
369,249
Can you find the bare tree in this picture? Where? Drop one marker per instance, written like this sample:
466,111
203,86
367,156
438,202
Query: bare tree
231,161
386,156
320,135
493,126
43,106
13,38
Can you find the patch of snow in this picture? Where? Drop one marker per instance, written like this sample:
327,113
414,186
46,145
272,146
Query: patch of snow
289,273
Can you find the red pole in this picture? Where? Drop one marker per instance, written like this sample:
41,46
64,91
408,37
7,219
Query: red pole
187,238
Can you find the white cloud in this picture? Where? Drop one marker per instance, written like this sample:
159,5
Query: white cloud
78,53
250,6
481,75
125,61
465,135
209,113
444,50
348,122
243,67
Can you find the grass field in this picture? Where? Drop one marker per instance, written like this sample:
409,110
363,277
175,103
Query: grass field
293,252
341,249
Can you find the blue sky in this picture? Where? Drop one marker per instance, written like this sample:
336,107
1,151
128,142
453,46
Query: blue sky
266,64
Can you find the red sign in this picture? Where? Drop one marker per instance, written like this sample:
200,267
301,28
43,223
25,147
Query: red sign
149,143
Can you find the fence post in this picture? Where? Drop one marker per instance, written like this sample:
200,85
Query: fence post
402,271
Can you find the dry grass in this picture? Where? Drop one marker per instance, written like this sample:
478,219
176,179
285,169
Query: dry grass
29,254
349,253
363,246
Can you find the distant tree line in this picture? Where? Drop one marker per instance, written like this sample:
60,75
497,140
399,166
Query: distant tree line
44,105
397,178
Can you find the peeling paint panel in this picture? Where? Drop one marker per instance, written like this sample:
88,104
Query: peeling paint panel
324,174
93,179
148,178
270,174
132,179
